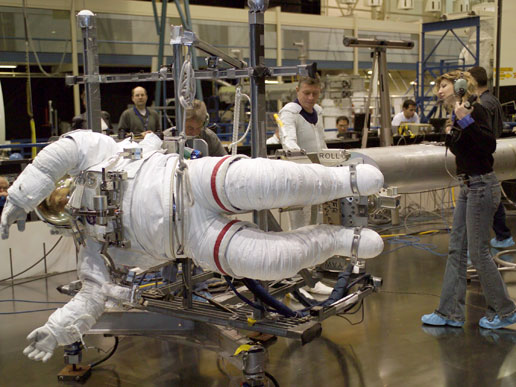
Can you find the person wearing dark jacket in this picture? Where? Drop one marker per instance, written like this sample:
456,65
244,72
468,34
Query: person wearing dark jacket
503,236
81,122
470,139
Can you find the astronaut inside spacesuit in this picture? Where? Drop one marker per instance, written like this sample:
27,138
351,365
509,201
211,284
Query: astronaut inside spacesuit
213,187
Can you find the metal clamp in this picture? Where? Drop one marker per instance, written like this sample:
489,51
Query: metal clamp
353,179
132,153
355,243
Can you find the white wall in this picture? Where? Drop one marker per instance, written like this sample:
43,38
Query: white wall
508,52
27,248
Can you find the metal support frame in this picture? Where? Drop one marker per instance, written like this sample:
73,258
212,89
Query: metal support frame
257,62
380,64
227,310
423,100
88,24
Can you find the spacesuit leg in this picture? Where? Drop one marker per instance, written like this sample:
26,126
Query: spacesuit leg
237,184
240,249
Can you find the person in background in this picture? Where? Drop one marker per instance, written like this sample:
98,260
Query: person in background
196,120
342,127
302,119
80,121
503,236
303,129
4,185
408,114
473,143
139,118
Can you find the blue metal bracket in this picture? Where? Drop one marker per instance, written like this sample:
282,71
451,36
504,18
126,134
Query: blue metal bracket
425,66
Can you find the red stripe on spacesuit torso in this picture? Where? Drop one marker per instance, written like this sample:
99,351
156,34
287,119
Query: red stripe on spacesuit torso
218,243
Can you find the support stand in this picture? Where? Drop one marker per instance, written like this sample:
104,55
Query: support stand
73,372
380,65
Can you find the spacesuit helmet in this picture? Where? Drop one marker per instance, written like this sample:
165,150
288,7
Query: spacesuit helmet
52,210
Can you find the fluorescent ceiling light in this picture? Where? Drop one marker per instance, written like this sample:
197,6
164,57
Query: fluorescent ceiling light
271,81
8,66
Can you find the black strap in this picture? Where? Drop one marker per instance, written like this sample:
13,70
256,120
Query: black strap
144,120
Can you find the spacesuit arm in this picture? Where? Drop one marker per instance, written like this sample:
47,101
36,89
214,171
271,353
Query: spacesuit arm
77,151
69,323
288,133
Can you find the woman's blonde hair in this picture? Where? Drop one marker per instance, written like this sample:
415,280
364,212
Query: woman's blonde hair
452,76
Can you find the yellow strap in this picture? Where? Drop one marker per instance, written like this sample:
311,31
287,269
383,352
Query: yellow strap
242,348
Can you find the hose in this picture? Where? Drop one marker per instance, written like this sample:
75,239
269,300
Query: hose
262,294
94,364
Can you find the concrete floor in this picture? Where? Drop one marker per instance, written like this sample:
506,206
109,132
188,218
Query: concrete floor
389,348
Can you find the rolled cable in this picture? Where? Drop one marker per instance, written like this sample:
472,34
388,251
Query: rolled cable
186,98
187,84
236,120
234,143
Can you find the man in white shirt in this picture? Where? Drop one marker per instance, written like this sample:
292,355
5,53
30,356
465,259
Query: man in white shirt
303,129
408,114
302,119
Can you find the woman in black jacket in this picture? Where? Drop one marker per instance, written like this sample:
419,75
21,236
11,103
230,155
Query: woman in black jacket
472,142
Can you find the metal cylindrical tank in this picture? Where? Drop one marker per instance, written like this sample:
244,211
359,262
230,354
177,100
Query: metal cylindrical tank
414,168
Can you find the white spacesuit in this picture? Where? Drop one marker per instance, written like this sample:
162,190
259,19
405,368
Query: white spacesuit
218,186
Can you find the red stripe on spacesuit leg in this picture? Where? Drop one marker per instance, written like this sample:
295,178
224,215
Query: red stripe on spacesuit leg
213,183
218,243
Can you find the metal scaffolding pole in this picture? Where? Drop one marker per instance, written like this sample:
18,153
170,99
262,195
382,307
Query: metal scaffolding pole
88,24
257,62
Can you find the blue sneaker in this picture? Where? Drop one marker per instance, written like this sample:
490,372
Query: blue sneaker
496,323
509,242
436,320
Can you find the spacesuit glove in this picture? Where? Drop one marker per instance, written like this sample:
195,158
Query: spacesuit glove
42,344
119,293
10,214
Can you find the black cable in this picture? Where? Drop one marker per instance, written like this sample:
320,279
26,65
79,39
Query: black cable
356,281
221,370
42,258
94,364
242,297
361,307
263,295
305,301
273,380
